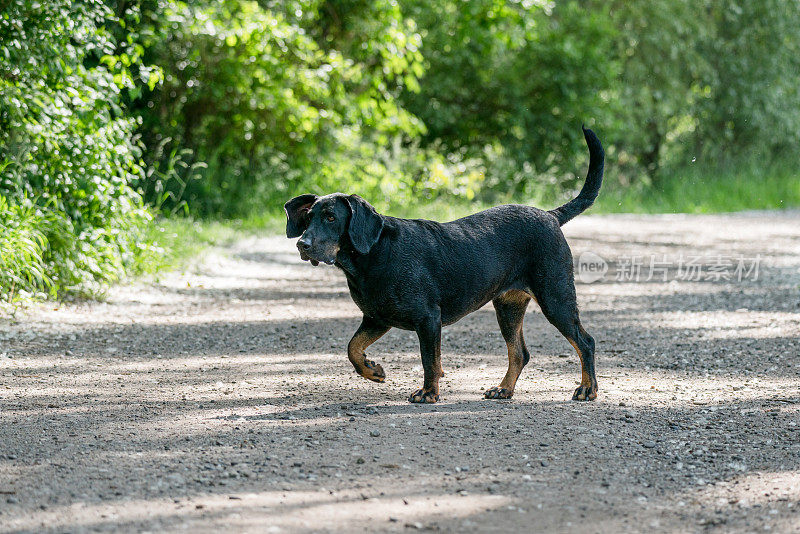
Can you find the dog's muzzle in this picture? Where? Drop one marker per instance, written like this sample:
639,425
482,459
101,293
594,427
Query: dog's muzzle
304,247
306,251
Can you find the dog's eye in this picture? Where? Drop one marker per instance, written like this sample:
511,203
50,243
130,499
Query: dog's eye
330,218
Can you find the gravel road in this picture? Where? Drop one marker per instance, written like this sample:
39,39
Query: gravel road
221,399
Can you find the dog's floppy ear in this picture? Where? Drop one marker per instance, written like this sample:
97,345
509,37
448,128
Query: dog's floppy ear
297,214
365,224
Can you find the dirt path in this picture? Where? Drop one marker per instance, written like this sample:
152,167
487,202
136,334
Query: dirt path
222,400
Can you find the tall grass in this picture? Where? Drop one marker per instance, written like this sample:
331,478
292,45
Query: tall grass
747,186
33,243
23,245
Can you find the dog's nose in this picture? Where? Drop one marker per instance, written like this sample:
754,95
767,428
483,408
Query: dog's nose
304,245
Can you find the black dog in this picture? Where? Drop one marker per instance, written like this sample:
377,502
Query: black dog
419,275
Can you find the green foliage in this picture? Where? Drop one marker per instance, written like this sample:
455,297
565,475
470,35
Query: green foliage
266,106
168,178
519,77
752,98
23,269
66,144
478,100
660,85
703,80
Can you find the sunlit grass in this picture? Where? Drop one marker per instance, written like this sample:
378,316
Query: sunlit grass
698,190
178,240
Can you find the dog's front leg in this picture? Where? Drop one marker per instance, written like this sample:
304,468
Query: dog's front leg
367,334
429,332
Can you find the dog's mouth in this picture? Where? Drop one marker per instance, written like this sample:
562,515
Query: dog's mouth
306,257
314,261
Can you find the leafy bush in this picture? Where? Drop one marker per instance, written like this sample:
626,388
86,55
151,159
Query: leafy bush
517,77
267,107
66,144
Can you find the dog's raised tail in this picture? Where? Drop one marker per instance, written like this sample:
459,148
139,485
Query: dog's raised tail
591,187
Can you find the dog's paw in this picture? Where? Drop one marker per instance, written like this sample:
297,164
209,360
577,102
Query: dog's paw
373,371
498,393
585,393
423,397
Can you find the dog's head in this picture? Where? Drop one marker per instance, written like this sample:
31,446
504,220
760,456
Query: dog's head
327,224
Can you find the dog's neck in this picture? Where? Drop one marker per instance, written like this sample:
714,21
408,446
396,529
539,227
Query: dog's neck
344,261
351,262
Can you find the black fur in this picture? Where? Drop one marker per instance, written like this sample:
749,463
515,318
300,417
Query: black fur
590,188
297,214
365,224
420,275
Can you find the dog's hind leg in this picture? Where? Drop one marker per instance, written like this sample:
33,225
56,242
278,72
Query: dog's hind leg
510,309
559,305
584,345
367,334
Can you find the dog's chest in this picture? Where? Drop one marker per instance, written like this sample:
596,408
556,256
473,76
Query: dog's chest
369,300
383,303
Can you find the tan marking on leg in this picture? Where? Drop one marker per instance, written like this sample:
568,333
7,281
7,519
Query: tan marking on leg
355,352
515,359
586,380
587,390
510,310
